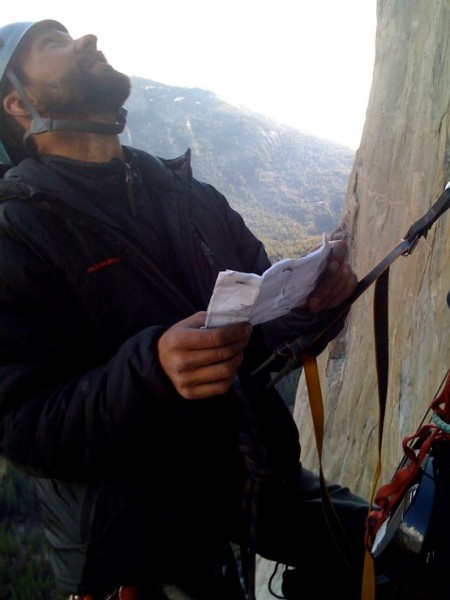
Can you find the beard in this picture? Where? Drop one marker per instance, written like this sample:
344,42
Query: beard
83,93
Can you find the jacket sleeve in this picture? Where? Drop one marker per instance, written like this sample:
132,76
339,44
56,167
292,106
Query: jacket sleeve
59,416
231,243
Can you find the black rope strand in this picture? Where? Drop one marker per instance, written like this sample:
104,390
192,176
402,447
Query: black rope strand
257,473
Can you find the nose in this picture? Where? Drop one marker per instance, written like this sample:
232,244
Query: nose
86,41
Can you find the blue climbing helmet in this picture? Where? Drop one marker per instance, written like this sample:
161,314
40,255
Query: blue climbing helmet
11,37
12,151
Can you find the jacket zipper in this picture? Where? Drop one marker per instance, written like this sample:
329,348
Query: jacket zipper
130,192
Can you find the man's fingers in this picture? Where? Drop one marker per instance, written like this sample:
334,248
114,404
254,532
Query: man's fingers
191,334
211,380
336,283
199,361
204,356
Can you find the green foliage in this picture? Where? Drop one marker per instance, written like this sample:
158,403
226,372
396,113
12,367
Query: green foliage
24,569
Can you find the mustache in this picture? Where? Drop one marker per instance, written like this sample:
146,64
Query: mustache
90,57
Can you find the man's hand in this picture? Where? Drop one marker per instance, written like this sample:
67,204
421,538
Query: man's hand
202,362
337,282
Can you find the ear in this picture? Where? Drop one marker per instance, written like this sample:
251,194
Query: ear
13,105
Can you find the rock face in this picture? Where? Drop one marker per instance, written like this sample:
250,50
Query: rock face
400,169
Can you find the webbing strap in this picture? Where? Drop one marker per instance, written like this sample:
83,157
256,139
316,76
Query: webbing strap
292,351
335,526
381,331
369,579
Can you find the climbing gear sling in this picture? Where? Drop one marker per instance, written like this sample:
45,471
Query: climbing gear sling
410,529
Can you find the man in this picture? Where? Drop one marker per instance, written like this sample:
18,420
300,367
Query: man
149,438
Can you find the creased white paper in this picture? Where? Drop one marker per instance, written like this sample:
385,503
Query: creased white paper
255,298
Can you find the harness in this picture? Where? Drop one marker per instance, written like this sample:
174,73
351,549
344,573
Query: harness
416,448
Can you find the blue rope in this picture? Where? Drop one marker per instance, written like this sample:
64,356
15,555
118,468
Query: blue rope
441,423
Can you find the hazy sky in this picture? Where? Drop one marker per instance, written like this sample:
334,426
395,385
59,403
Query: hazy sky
307,63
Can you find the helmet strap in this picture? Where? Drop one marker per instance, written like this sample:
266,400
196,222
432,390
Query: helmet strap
44,125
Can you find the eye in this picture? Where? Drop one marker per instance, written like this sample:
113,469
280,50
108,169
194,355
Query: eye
49,40
52,38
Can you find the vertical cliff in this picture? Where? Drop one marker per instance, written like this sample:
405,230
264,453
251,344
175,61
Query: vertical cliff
400,169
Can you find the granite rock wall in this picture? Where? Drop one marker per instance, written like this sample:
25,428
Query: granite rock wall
400,169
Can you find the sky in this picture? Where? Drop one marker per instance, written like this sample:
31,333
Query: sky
305,63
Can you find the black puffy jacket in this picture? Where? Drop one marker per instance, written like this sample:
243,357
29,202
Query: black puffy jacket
96,261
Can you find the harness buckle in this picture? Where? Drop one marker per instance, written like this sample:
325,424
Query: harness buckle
411,246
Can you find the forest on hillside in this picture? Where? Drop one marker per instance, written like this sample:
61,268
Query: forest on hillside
24,567
288,186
